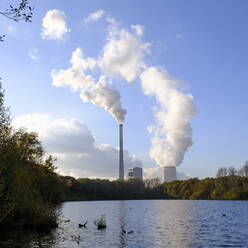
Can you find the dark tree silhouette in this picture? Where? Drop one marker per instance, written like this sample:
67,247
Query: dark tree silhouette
232,171
222,172
22,12
244,170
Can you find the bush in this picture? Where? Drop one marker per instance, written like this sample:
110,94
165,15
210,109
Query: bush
29,186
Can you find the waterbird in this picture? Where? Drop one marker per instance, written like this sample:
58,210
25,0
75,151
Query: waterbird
123,231
82,225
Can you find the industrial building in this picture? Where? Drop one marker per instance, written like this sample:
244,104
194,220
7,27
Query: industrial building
135,172
169,174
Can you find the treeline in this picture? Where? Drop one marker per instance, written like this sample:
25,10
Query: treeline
231,171
102,189
232,187
29,186
221,188
229,184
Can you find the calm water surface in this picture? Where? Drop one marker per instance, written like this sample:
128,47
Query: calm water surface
155,223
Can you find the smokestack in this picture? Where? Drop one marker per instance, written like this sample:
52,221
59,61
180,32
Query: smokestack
121,161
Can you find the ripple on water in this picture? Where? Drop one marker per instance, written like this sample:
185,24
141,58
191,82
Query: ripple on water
153,223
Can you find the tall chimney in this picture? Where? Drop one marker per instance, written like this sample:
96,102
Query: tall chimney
121,161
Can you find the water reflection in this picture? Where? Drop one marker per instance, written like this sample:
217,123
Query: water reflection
123,216
157,224
174,226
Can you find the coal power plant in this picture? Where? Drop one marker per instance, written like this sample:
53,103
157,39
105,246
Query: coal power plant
169,174
121,160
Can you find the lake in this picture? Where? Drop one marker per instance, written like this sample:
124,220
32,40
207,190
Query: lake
151,223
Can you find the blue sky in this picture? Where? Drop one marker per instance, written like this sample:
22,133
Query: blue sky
202,43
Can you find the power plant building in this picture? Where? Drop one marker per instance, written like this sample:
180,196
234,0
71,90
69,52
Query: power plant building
169,174
135,172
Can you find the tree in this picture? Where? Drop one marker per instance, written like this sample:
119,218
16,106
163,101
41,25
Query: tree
22,12
29,185
222,172
152,182
4,111
4,126
244,170
232,171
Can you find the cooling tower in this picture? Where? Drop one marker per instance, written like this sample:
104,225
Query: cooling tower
169,174
121,161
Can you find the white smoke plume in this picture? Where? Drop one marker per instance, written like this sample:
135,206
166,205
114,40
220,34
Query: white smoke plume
123,54
102,93
172,131
75,76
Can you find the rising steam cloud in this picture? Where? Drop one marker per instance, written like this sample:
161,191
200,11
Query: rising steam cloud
172,131
101,94
123,56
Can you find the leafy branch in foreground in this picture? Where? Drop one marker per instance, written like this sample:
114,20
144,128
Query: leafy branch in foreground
1,37
30,189
23,12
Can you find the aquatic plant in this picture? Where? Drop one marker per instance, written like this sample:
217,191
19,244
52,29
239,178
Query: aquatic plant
101,222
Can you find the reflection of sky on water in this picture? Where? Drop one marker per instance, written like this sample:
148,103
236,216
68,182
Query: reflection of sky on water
122,225
162,224
177,223
157,223
172,225
134,222
201,224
